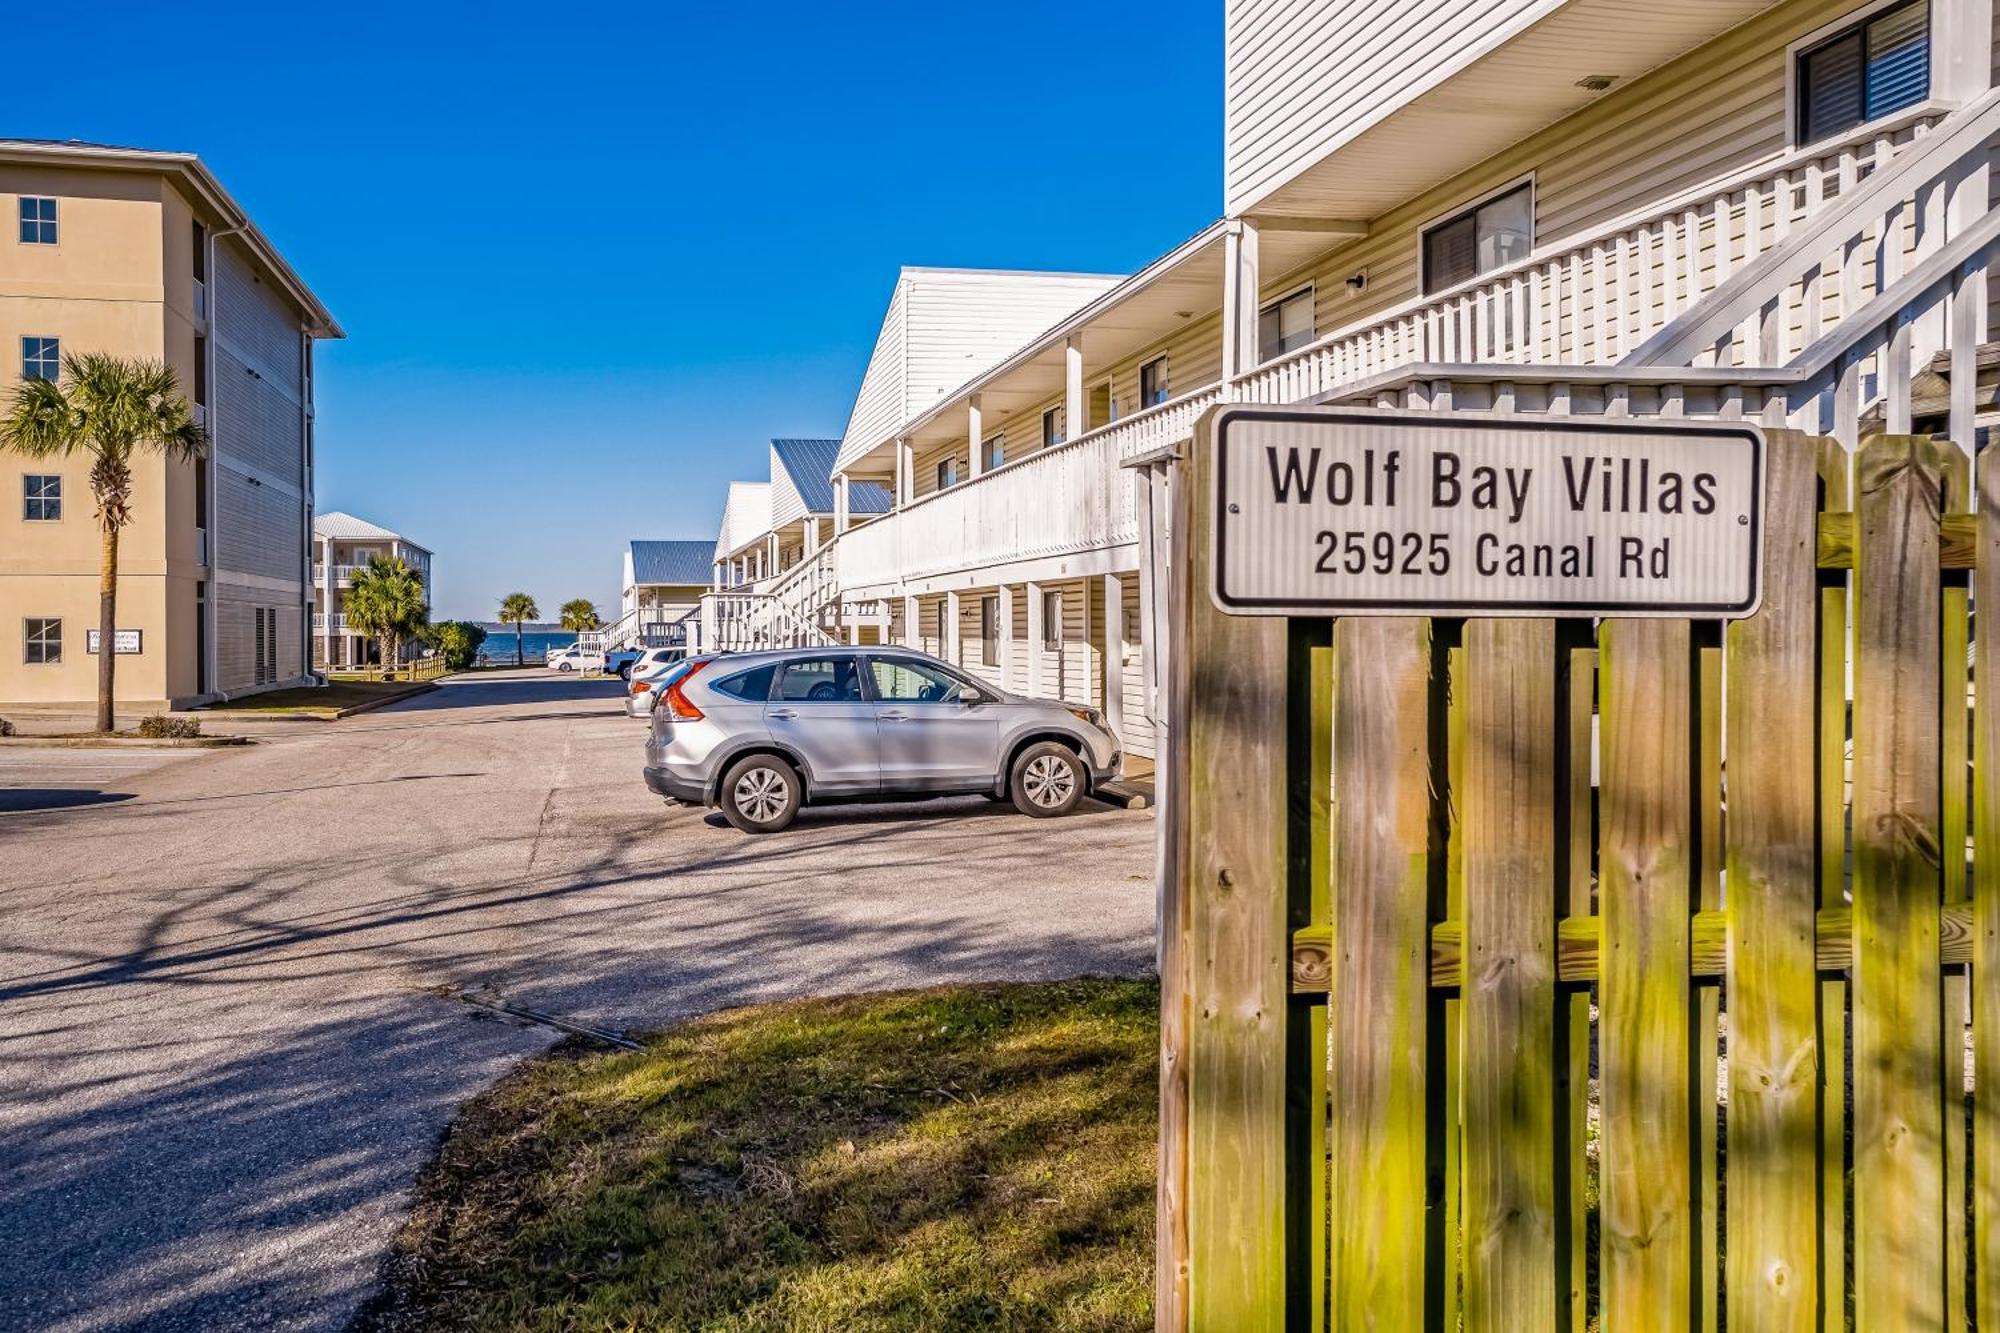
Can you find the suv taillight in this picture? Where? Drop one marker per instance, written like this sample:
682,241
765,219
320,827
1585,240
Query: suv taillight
677,704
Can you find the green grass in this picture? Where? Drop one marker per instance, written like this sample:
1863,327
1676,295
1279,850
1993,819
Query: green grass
963,1158
335,696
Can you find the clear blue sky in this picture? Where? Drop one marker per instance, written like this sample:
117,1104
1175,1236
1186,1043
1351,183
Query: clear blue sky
590,257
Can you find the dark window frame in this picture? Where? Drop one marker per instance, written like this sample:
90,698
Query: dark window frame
38,226
947,472
33,639
1159,391
1053,423
45,362
1470,213
49,498
989,629
1856,30
1310,295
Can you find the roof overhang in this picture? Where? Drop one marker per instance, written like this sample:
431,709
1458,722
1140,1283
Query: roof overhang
187,170
1492,97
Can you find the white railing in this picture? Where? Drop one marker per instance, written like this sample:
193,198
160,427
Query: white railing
620,633
810,589
1596,301
342,574
736,622
1067,498
335,623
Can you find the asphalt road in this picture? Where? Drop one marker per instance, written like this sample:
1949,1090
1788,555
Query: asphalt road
224,1054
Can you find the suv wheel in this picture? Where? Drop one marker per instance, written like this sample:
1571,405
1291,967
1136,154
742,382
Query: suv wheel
760,794
1048,780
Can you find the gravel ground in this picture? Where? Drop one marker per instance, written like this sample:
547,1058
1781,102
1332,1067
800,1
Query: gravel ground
229,1042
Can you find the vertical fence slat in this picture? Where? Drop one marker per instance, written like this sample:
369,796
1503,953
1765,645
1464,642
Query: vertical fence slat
1228,878
1954,756
1311,1142
1707,998
1773,1011
1644,861
1508,988
1832,788
1380,967
1582,705
1898,1153
1986,903
1451,1042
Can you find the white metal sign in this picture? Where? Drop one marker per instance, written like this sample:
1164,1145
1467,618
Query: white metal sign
1336,511
127,641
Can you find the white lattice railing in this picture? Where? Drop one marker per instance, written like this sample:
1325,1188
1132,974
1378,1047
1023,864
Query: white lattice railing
1067,498
1596,301
810,589
736,622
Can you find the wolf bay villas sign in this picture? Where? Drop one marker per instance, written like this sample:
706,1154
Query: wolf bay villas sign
1345,512
127,641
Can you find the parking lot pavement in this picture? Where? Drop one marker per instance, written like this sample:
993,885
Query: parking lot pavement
228,976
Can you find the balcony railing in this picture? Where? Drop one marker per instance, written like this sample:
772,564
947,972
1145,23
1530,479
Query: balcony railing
1598,300
333,624
1067,498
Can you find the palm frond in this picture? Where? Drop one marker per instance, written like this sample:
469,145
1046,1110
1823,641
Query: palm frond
39,422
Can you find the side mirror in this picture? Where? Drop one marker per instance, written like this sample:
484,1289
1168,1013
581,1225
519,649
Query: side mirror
969,694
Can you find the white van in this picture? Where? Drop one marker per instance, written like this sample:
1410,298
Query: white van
575,658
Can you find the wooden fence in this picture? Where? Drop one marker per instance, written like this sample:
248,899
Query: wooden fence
1645,974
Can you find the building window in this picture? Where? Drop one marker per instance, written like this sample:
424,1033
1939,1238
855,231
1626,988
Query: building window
38,220
996,452
989,630
41,358
1868,70
1153,383
1491,234
1052,626
947,473
1052,428
1285,325
41,498
44,637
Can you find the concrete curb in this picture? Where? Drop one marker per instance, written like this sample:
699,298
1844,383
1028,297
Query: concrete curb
72,742
368,705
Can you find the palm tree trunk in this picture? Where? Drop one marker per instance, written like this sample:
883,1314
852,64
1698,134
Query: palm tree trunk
518,661
107,630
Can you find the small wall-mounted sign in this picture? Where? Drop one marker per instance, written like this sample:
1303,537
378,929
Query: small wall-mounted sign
1335,511
127,642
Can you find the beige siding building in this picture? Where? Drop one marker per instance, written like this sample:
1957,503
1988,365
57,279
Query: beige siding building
143,254
343,545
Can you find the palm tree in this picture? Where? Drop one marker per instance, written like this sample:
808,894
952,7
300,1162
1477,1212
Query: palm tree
111,408
386,599
580,615
516,607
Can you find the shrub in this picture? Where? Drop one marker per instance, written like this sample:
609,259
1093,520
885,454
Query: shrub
161,727
6,727
457,641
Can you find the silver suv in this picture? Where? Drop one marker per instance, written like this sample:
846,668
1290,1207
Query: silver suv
759,734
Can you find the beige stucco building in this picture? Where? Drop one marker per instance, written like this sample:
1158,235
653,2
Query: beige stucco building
143,254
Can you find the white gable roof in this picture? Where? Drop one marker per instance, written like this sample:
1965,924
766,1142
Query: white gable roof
943,327
346,527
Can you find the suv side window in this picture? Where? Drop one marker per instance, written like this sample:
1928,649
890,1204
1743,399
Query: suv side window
904,680
753,685
821,680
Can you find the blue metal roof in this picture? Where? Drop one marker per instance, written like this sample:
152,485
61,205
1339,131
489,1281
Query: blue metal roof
809,463
673,562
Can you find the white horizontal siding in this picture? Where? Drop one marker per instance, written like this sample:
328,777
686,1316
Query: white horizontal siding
879,406
1303,76
787,505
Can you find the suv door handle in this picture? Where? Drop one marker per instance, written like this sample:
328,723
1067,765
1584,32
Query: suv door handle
783,714
897,716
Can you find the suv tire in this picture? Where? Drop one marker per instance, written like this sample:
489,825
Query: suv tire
1048,780
761,794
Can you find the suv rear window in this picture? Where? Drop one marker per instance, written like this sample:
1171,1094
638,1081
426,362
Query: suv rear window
754,684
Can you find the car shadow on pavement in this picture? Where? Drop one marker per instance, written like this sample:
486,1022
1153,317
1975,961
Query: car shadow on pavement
928,812
21,800
508,691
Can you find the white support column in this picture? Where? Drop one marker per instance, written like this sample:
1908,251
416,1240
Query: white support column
913,623
882,621
975,432
1037,634
812,538
773,562
1964,71
715,575
842,508
1075,404
854,631
1006,634
1114,654
949,643
905,472
1240,286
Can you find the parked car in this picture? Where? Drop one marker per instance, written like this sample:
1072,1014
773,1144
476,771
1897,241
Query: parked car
625,662
650,680
577,658
760,734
